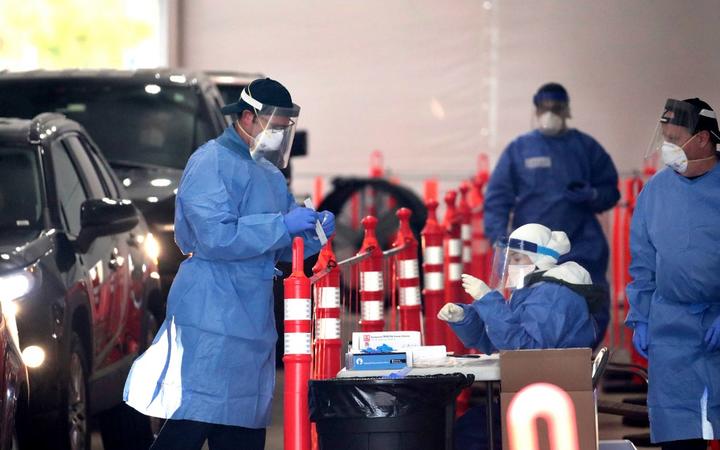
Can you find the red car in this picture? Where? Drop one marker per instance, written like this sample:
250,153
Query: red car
13,380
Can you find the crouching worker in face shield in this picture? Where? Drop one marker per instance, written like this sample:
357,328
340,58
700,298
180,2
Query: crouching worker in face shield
536,304
547,305
211,368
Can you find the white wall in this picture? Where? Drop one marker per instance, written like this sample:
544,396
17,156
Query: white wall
417,80
619,60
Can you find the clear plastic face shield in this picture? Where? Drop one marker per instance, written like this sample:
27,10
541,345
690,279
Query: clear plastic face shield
676,126
511,264
277,131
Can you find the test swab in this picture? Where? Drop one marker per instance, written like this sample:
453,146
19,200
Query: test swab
318,226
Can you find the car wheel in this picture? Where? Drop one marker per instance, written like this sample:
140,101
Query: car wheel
124,428
352,199
75,424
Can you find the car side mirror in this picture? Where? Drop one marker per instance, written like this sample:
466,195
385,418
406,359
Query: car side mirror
103,217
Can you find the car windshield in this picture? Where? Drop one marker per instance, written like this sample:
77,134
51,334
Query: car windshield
21,202
230,92
134,124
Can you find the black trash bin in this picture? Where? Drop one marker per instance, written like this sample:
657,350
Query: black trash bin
412,413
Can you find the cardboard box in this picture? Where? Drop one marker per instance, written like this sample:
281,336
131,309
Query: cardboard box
569,369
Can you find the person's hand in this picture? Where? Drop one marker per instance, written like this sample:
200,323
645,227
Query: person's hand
640,338
580,192
475,287
451,313
327,220
712,337
300,219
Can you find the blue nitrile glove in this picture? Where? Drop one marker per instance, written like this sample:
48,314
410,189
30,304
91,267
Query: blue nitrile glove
712,337
640,338
580,192
300,219
327,220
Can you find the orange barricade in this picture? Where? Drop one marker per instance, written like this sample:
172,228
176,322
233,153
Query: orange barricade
318,190
465,218
481,248
326,290
453,266
408,274
377,164
372,293
430,190
432,237
621,336
297,359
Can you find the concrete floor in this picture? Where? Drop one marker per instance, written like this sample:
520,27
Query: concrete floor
610,427
274,439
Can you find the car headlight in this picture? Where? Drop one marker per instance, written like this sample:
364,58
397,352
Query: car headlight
152,247
33,356
15,285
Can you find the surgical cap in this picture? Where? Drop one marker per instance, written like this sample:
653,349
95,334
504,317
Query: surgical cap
551,92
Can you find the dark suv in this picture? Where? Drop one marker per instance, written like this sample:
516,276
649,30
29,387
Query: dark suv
75,264
147,123
13,377
230,83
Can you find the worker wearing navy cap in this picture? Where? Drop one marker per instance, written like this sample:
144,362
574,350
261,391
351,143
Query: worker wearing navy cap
559,177
211,368
674,295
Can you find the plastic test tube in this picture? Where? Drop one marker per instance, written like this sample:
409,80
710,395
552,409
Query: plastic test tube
318,226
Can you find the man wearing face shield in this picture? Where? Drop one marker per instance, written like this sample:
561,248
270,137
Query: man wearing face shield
211,368
536,304
559,177
675,293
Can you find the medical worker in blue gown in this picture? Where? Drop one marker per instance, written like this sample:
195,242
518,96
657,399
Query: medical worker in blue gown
675,293
559,177
211,367
549,307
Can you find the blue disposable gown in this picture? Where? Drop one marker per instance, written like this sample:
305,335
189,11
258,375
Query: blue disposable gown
675,247
530,180
543,315
213,358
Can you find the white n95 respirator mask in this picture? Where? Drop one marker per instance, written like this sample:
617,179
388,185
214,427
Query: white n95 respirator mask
274,141
269,144
269,140
550,123
674,157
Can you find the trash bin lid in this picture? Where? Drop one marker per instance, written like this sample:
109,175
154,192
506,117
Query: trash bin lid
382,397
